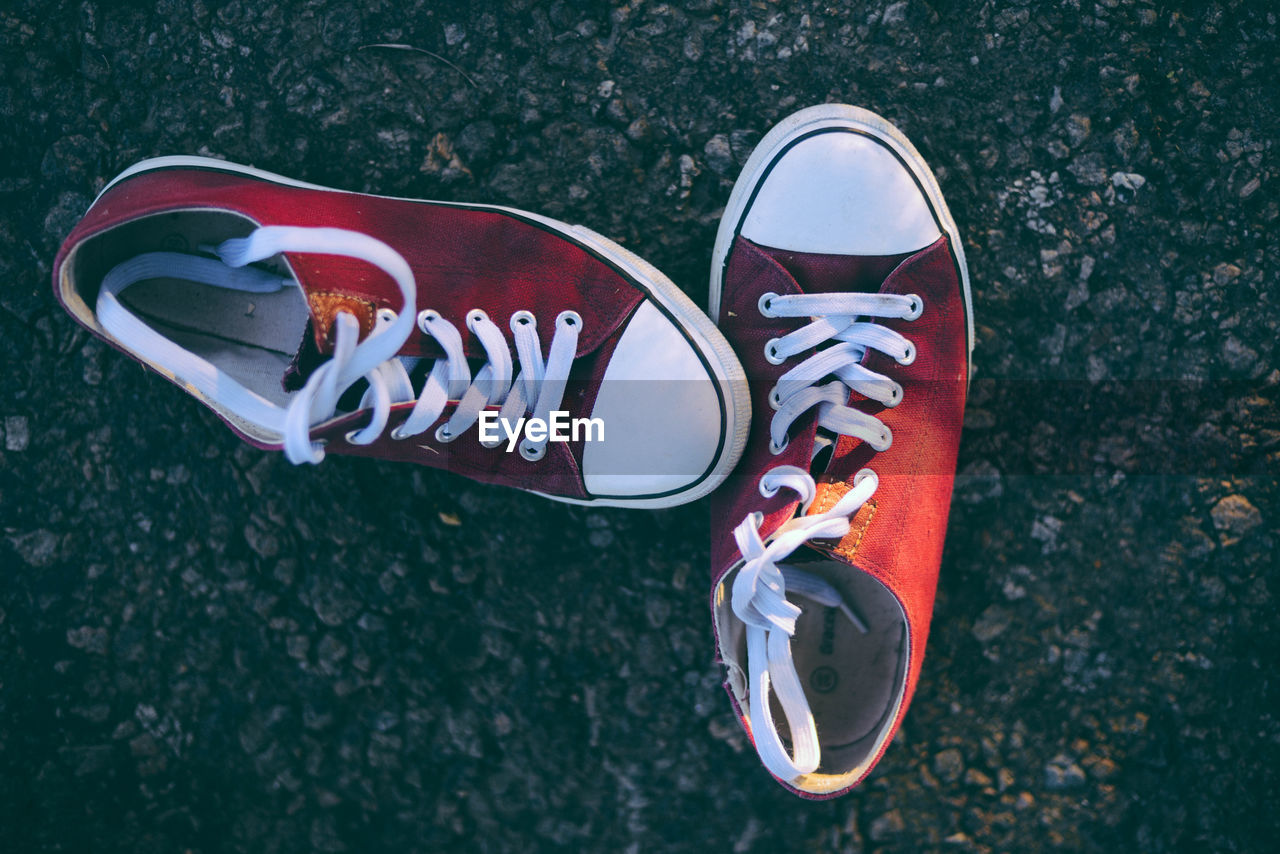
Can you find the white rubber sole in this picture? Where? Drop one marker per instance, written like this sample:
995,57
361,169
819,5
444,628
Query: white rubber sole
717,353
817,119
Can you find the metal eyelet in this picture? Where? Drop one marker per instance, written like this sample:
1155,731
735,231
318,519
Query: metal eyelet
895,397
771,354
778,449
862,475
349,437
765,489
425,317
523,318
475,316
775,398
765,304
568,318
532,452
909,356
443,436
386,315
917,307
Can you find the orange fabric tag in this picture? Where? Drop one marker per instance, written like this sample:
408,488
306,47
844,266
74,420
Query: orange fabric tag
325,306
828,495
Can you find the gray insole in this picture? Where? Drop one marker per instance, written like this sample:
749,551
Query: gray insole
851,680
250,336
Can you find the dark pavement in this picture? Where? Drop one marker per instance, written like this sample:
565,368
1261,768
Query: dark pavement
205,649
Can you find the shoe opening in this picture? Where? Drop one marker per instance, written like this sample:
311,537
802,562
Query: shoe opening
251,336
853,681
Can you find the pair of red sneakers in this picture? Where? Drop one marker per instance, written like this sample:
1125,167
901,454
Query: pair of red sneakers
824,412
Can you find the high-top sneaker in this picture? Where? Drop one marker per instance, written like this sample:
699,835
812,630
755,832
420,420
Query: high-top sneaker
840,280
499,344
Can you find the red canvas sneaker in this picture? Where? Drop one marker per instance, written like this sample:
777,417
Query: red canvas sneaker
840,280
502,345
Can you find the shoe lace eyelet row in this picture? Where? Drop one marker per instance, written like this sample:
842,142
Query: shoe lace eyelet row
889,393
521,323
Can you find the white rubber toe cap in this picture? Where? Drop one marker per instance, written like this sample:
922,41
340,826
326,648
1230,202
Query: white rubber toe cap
843,193
662,414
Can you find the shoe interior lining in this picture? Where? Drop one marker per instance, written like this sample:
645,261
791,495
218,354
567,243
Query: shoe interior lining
251,337
850,679
853,682
258,368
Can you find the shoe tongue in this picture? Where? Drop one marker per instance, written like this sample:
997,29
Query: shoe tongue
817,273
828,493
357,296
307,358
335,283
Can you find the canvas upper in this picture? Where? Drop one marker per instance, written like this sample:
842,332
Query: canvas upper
836,202
635,353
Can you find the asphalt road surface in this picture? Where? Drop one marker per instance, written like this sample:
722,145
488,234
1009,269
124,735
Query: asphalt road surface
205,649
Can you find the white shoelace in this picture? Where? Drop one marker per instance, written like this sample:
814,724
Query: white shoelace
538,389
761,585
